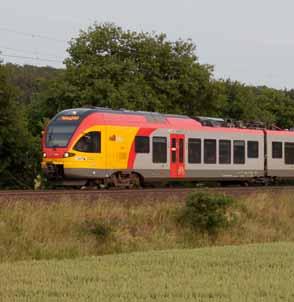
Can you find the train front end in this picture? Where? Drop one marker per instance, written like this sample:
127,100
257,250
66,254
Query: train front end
62,144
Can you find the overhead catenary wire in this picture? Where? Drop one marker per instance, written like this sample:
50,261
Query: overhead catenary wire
32,35
32,52
30,58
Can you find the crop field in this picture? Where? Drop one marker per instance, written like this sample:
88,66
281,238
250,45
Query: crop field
263,272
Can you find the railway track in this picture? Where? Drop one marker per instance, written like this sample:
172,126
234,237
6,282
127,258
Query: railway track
138,193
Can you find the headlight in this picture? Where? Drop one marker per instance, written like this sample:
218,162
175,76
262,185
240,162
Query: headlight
68,154
44,154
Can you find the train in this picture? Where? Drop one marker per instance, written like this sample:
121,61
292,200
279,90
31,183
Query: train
103,147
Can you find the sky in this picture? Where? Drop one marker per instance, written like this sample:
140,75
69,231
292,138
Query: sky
250,41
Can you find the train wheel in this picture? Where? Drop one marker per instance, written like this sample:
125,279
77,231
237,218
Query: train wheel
90,185
135,181
126,180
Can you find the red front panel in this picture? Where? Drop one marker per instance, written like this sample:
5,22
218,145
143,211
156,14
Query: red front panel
177,155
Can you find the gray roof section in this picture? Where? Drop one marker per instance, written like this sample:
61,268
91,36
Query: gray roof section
150,116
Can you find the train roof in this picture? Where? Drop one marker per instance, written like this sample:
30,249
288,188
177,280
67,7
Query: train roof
127,117
88,110
176,121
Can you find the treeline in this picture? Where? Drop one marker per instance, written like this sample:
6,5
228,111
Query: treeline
116,68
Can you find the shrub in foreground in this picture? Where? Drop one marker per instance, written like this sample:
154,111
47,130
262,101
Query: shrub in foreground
100,230
207,212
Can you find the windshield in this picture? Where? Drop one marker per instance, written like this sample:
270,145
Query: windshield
62,127
59,135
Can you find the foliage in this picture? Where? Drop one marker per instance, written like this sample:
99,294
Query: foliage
29,79
114,68
264,104
101,230
18,149
206,212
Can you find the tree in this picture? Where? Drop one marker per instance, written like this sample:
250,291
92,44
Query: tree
29,79
17,147
110,67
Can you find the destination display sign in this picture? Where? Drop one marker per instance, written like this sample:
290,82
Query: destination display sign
69,118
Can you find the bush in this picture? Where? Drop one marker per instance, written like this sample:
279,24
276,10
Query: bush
206,212
100,230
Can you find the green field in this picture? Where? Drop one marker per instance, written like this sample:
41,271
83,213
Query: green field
263,272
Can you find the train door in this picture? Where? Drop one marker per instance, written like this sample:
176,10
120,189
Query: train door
177,154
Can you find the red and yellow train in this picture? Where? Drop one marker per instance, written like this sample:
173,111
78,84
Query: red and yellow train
100,146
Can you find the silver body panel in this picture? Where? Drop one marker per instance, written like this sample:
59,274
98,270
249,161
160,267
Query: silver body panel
276,167
153,174
253,167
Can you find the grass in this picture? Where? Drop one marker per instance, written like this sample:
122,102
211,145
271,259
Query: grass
263,272
79,228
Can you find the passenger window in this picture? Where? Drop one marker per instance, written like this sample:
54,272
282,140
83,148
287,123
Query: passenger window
142,144
210,151
239,152
224,152
89,143
277,149
194,150
289,153
252,149
159,145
